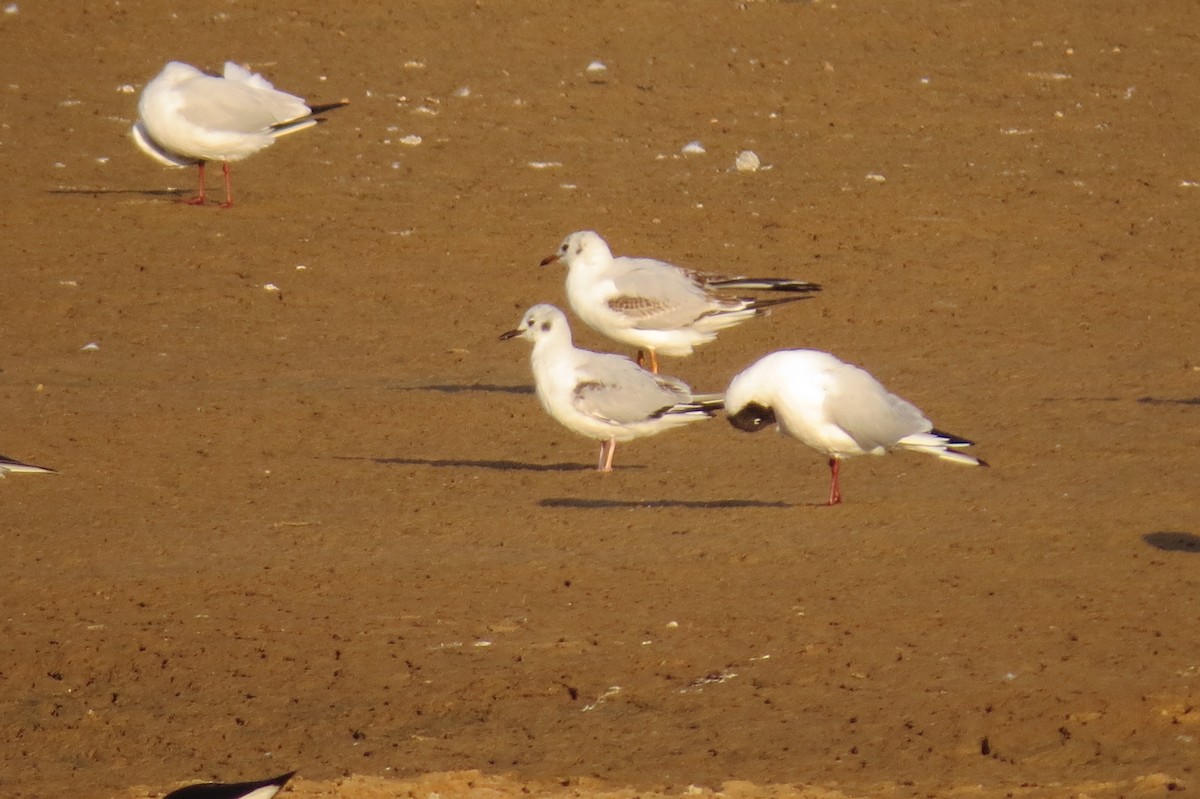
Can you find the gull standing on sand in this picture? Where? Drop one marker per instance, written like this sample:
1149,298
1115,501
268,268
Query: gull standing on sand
8,465
656,306
262,789
186,118
603,396
836,408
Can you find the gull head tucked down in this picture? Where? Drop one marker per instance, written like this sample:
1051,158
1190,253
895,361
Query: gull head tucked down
835,408
187,117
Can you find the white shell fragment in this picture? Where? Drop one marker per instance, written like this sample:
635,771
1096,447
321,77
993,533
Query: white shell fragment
875,176
747,161
91,346
596,66
693,148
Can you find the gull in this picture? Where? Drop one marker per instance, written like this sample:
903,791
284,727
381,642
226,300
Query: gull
837,409
656,306
186,117
8,464
600,395
262,789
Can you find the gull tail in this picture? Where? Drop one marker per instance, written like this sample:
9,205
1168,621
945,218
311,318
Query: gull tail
765,284
761,307
706,404
305,122
944,445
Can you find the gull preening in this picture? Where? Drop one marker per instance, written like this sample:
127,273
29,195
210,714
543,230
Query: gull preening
837,409
600,395
261,789
656,306
15,466
188,118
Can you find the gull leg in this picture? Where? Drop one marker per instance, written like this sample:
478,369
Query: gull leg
607,448
835,491
641,360
199,198
228,186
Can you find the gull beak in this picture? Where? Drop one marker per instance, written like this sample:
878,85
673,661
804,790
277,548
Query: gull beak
549,259
510,334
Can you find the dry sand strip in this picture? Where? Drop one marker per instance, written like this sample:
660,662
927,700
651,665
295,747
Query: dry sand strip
475,785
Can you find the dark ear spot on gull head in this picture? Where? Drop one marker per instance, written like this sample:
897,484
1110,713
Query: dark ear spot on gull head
752,418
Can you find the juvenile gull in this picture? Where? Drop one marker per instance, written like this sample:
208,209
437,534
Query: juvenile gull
603,396
8,465
186,118
836,408
656,306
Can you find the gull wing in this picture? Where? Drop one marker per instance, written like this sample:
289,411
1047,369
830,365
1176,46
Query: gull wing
242,105
654,295
615,389
865,410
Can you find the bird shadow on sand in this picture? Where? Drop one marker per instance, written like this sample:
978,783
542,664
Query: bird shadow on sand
1147,400
1171,541
462,388
1169,400
694,504
472,463
171,193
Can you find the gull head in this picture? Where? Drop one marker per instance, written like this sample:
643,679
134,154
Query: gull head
752,417
540,322
750,400
584,246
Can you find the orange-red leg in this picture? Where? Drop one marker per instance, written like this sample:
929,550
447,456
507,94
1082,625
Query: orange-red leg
835,491
228,186
199,198
607,448
641,360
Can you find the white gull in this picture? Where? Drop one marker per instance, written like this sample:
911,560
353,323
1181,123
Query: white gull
656,306
837,409
600,395
186,118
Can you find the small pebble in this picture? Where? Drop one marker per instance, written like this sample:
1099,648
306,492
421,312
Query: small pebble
747,161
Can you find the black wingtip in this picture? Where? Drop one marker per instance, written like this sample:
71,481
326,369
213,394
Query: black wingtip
321,109
762,305
780,284
233,790
951,439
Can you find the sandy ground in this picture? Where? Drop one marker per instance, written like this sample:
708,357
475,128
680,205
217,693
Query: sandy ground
328,527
